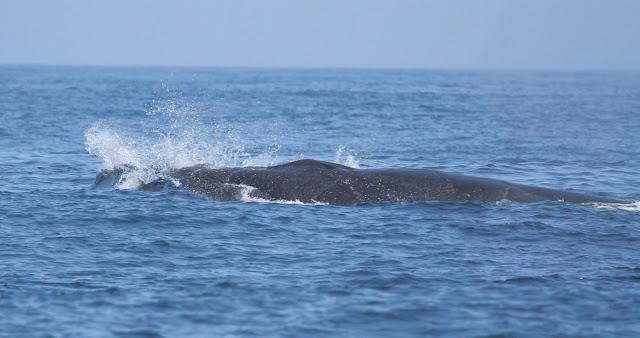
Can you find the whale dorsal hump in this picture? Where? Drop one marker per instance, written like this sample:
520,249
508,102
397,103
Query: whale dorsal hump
309,163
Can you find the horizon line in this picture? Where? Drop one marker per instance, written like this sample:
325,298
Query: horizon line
298,67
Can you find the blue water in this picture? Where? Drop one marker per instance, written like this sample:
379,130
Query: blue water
79,261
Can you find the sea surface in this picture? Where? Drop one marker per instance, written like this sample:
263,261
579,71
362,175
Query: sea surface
81,261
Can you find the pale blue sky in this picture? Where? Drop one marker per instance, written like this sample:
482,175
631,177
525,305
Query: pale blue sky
540,34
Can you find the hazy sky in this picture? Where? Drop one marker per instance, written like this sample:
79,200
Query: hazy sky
548,34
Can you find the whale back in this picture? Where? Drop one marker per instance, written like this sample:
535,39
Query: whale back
311,164
318,181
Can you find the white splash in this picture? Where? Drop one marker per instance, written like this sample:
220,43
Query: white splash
345,157
171,139
247,195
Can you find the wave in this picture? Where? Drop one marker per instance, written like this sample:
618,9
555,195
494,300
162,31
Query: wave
247,196
633,206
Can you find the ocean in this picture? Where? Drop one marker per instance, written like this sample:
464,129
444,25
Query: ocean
81,261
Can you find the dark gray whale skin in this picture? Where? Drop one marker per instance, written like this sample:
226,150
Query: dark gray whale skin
312,181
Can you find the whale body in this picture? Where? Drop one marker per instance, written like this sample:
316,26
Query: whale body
311,181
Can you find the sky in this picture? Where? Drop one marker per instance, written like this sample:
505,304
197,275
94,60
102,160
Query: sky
438,34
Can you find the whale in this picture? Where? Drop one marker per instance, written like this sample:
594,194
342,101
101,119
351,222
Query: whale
313,181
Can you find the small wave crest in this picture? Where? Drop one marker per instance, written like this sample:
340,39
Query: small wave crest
633,206
252,199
